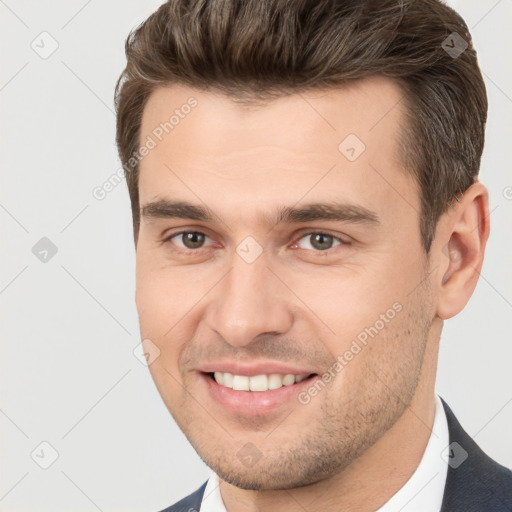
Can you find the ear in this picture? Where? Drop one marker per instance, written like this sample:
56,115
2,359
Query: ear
460,245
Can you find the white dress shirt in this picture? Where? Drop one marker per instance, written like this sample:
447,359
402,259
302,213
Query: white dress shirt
423,492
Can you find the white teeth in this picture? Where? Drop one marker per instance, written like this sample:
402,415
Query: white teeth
227,379
274,381
288,380
257,382
240,383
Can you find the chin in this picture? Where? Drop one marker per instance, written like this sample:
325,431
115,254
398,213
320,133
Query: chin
278,474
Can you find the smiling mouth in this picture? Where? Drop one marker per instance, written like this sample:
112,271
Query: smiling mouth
257,383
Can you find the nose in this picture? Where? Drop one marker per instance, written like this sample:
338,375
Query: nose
250,301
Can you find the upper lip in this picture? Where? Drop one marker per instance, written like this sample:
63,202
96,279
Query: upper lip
251,369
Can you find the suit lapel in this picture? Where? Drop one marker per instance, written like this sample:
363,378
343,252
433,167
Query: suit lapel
479,483
191,503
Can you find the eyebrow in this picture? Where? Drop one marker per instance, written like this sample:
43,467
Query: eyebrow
167,209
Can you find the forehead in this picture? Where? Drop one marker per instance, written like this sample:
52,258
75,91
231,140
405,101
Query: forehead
368,108
337,143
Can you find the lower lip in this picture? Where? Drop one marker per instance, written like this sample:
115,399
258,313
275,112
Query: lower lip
254,402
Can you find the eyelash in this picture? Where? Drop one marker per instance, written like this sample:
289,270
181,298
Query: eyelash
309,233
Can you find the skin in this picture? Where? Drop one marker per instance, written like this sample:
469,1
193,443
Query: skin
344,450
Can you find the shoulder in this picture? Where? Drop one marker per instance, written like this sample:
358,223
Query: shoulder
474,481
190,503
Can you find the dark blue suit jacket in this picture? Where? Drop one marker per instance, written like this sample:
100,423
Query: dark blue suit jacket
479,484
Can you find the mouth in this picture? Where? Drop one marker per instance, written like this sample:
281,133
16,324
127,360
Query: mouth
257,383
255,394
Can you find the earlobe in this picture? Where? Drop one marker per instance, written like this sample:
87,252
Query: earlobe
463,237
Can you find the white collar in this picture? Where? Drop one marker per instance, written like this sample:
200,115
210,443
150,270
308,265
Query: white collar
423,492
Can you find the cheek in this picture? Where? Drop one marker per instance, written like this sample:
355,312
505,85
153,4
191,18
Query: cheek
152,303
346,302
163,295
168,305
365,304
158,316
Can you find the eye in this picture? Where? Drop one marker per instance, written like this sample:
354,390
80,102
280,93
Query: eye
319,241
316,241
188,240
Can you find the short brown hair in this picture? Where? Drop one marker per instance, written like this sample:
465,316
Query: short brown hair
262,49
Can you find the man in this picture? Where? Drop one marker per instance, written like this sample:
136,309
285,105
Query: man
307,213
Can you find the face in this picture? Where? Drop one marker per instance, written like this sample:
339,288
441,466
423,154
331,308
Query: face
281,278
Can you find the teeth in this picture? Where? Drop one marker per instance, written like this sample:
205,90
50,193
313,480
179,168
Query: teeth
275,381
257,382
288,380
227,379
240,383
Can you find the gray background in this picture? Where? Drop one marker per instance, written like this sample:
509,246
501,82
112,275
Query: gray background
69,325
